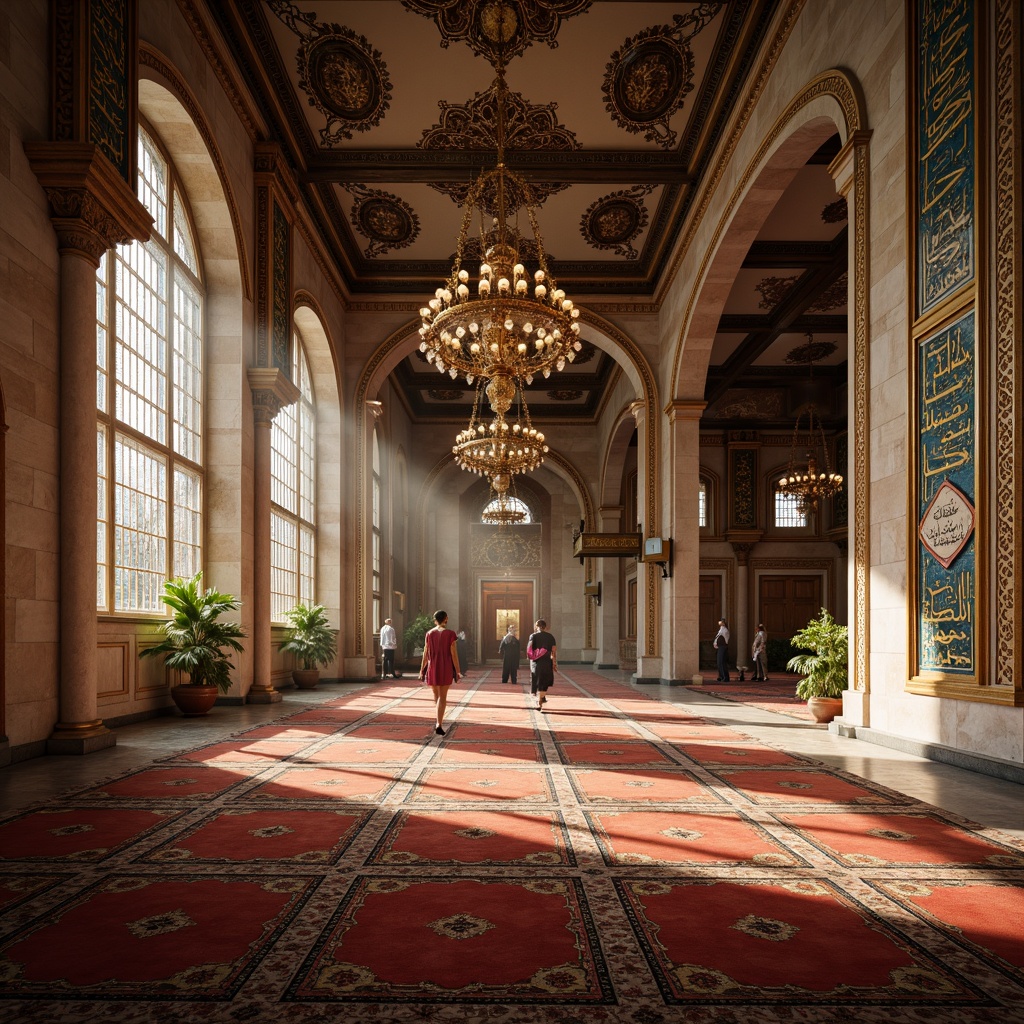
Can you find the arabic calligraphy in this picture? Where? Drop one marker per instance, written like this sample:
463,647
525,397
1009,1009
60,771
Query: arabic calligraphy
108,83
945,132
946,477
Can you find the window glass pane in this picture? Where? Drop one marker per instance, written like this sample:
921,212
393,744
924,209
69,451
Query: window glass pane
153,182
101,518
283,566
702,504
140,395
188,370
188,524
140,527
284,460
102,327
183,246
307,564
787,510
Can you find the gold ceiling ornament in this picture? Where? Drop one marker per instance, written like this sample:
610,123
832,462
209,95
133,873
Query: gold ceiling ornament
502,321
804,479
500,450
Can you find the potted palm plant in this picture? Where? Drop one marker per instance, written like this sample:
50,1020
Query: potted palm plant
823,665
312,640
194,642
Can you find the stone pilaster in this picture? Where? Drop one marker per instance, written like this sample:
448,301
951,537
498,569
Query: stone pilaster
271,391
609,575
92,209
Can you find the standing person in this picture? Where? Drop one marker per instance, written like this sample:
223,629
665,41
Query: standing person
722,651
759,652
510,650
388,645
440,664
542,651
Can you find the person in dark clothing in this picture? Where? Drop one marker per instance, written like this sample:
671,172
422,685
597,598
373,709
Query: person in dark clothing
722,651
510,650
542,651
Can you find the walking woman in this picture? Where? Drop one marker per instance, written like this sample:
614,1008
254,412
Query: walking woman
440,664
542,652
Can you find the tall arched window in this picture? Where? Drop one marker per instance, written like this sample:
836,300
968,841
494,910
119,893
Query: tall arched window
293,495
377,536
509,502
702,503
149,401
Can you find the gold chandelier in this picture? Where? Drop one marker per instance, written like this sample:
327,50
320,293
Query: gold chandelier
500,450
805,480
502,320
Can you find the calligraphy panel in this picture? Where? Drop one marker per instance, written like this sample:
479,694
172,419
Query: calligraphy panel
945,130
946,490
281,314
110,124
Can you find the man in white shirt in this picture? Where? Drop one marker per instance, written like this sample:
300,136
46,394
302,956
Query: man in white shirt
722,651
388,644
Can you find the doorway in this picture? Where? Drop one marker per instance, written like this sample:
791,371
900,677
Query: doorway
710,611
504,603
787,603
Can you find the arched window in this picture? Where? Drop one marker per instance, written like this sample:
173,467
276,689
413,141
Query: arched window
702,503
787,510
293,495
149,401
510,502
377,535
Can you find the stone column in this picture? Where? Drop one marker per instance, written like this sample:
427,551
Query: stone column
92,210
609,576
271,392
741,634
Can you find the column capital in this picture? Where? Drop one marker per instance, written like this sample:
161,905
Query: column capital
685,409
637,410
842,165
91,207
271,391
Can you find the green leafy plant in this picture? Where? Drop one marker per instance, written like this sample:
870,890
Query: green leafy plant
310,636
824,669
416,631
194,637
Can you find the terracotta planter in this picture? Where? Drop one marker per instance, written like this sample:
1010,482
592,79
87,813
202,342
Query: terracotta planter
306,678
824,709
193,701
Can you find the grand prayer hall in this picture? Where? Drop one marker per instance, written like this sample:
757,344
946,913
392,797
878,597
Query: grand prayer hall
671,324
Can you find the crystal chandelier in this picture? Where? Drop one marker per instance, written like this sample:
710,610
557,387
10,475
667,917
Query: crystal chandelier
805,480
500,450
502,320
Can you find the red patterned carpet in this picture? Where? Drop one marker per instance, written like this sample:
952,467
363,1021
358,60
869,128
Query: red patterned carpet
614,859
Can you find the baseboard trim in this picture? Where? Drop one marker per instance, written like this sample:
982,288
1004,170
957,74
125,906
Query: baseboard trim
996,767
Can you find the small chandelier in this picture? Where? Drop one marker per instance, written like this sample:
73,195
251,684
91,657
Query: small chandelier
503,507
502,320
500,450
805,480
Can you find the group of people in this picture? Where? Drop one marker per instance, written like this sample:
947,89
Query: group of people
440,665
758,652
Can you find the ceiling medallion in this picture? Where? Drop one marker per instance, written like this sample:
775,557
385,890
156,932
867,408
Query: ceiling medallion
773,289
498,30
614,220
472,126
649,77
445,394
834,296
565,395
343,76
386,220
835,213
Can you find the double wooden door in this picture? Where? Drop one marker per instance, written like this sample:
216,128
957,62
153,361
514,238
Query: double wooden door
787,603
504,603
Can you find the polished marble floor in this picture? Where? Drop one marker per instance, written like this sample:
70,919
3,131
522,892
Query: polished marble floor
988,801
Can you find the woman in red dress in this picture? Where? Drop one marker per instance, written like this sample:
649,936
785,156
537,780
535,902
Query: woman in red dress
440,664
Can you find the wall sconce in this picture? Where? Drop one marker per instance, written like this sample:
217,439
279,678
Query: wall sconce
659,551
593,590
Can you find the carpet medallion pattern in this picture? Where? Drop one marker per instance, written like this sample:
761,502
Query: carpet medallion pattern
613,859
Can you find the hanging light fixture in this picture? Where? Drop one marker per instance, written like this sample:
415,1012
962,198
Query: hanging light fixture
500,319
500,450
805,479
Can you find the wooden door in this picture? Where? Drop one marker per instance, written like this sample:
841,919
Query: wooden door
711,610
503,603
787,603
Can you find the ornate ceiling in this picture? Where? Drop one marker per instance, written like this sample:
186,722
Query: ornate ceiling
386,110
